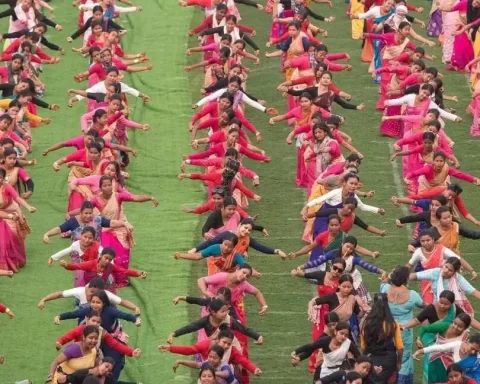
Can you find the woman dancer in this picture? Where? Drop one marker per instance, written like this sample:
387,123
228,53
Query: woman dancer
13,226
402,301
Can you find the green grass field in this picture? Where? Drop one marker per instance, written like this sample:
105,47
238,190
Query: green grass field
28,341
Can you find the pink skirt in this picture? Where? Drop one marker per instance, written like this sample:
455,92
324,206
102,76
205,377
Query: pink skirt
462,51
12,250
75,201
122,258
392,128
301,178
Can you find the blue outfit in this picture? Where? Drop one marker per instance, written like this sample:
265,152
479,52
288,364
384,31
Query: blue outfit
215,251
402,313
222,236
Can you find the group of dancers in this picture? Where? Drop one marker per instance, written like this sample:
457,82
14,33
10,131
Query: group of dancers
357,337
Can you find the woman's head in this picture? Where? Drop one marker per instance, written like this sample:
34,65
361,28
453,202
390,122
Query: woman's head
245,227
342,331
426,90
224,294
94,151
349,206
293,28
234,84
353,378
229,243
243,272
10,156
345,285
215,355
321,131
338,267
87,236
90,336
225,337
207,376
99,300
229,206
437,202
305,100
106,185
427,240
350,182
451,267
114,171
444,215
348,246
334,224
474,344
86,211
326,78
428,139
461,323
331,320
455,374
363,365
445,300
218,308
226,100
399,276
379,327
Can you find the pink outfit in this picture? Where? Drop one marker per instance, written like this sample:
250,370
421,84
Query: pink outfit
449,22
25,19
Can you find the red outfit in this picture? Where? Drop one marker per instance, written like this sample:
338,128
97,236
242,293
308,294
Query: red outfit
3,308
216,179
220,149
438,191
76,334
203,347
207,23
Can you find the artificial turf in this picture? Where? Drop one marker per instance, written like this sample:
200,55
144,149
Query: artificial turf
160,29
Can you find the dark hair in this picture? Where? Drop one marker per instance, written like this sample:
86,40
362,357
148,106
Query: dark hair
92,132
441,199
364,359
440,211
323,126
210,369
317,115
98,114
420,50
321,48
41,25
351,175
420,63
96,23
231,237
222,7
97,282
103,179
218,350
475,339
232,18
465,319
339,260
426,232
215,305
430,136
90,329
399,276
247,221
230,113
333,217
334,120
331,317
449,295
118,171
350,240
428,87
351,200
454,367
352,375
6,117
226,37
436,124
97,8
218,190
439,154
91,380
432,71
379,327
455,263
226,293
224,52
9,152
341,325
455,188
295,24
354,157
225,333
403,24
94,145
229,200
227,95
86,205
346,278
93,313
89,229
7,140
232,152
244,266
108,359
3,173
102,295
306,95
108,251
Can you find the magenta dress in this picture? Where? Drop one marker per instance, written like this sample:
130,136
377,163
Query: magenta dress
462,46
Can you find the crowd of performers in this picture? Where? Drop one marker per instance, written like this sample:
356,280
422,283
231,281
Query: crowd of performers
357,337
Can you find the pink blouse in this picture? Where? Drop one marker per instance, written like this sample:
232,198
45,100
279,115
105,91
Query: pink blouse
218,280
121,197
93,182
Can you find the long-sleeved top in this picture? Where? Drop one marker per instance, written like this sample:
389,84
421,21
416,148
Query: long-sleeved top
434,275
215,221
78,377
410,101
220,149
3,308
205,324
205,302
335,197
215,250
322,343
208,23
76,334
25,31
313,91
74,247
222,31
462,231
218,162
101,88
203,347
428,194
109,23
92,266
223,83
329,256
242,97
109,316
219,239
216,178
7,92
334,211
4,103
429,172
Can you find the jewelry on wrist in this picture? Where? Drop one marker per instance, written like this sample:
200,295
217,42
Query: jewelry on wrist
10,216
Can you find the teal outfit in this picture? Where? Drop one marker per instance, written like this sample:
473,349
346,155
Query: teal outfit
377,45
215,251
402,314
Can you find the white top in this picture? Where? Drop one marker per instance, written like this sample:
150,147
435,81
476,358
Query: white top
75,247
243,97
419,257
334,197
410,101
372,13
80,295
453,346
116,8
101,88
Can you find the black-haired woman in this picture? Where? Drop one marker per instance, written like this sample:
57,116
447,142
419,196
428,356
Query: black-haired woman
402,301
381,338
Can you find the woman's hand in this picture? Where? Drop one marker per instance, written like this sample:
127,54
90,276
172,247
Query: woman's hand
138,322
474,275
143,275
137,352
419,343
176,300
56,320
263,311
282,254
381,211
417,353
163,348
398,223
295,359
259,340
